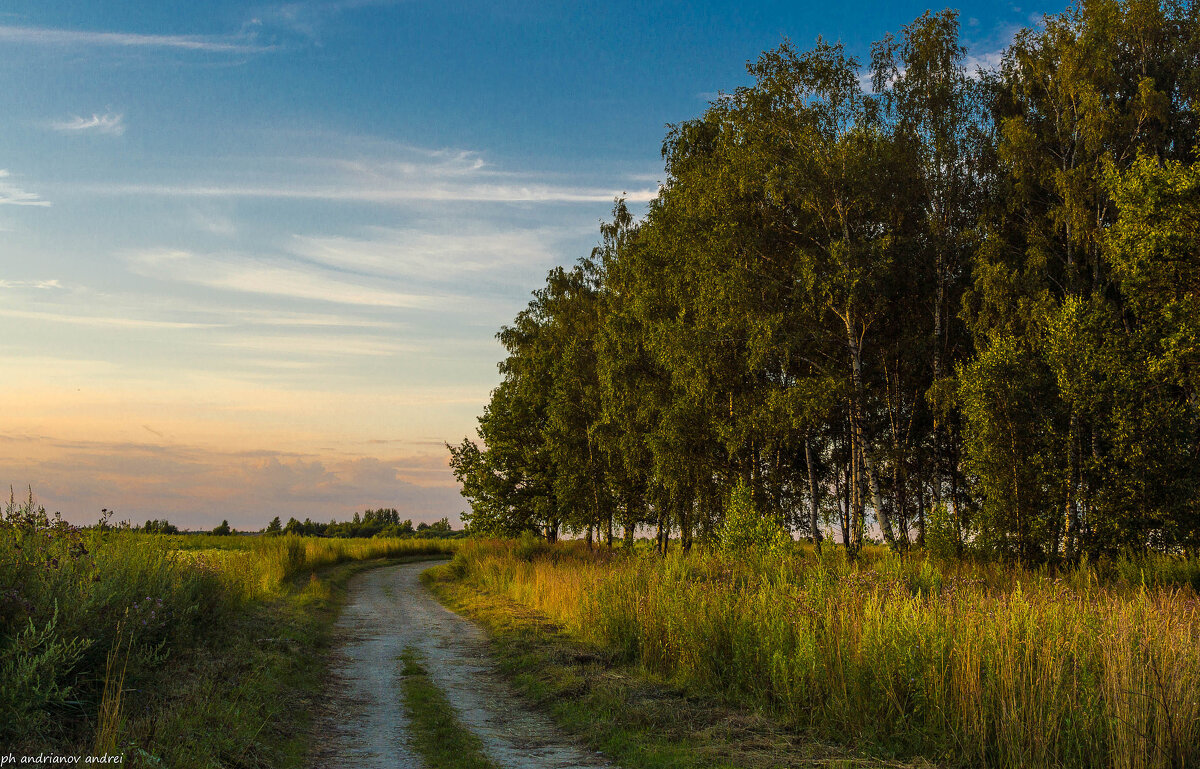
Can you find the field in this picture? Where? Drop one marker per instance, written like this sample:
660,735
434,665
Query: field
202,651
173,650
962,664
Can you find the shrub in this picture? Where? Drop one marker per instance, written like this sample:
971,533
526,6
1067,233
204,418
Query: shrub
746,531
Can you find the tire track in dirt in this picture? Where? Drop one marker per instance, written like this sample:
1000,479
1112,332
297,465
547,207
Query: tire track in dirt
364,725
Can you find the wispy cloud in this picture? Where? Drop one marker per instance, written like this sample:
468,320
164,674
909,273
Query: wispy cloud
282,319
38,284
986,61
426,253
98,321
212,222
389,194
109,123
322,346
307,18
76,37
986,51
256,276
12,195
350,170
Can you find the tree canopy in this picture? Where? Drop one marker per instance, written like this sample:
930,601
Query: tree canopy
902,298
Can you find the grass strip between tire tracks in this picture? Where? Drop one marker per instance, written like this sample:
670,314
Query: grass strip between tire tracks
435,731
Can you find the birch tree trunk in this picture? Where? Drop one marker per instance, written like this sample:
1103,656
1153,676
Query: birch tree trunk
856,419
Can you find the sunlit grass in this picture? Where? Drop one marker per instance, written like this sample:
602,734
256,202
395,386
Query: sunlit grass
72,601
970,664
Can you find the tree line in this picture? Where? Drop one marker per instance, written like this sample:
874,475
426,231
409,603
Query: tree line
384,522
956,308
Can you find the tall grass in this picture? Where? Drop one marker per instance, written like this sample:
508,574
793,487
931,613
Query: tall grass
974,665
275,559
70,599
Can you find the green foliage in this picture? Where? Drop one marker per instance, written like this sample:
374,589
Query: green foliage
942,538
529,546
384,522
1007,404
33,666
159,526
971,293
748,532
66,593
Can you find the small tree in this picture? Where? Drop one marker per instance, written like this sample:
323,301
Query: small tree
275,526
222,530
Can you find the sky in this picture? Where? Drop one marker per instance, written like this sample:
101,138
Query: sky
253,257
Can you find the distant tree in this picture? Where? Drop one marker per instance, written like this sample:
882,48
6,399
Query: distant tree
223,529
274,527
160,526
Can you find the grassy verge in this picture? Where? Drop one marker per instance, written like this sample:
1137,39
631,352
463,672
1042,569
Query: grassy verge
248,701
967,664
635,719
209,655
436,733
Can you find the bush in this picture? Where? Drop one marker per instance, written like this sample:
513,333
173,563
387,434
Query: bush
746,531
529,546
941,539
32,680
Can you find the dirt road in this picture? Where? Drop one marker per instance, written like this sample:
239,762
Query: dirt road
365,727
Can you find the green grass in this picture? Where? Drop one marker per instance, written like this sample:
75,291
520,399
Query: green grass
435,731
250,700
637,720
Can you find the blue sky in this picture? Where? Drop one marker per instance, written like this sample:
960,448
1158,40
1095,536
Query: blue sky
252,257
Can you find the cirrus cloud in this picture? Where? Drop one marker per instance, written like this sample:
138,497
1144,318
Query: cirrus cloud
12,195
77,37
112,124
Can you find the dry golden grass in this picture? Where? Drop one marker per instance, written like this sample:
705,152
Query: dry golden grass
975,665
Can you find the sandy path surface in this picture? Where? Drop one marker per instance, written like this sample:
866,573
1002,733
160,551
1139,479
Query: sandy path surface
365,726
